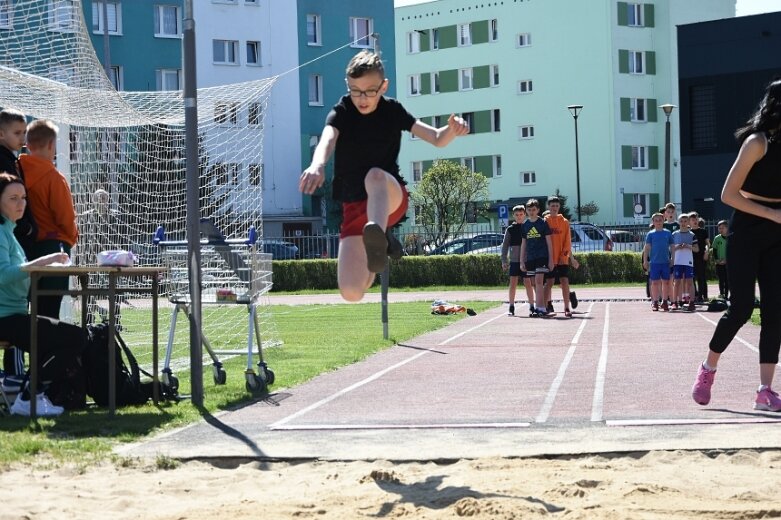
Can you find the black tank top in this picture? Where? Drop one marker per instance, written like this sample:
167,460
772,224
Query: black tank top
764,178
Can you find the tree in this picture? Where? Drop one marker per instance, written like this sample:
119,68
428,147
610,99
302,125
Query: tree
564,210
589,209
446,197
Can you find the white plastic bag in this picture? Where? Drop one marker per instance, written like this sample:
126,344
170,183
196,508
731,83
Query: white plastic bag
116,257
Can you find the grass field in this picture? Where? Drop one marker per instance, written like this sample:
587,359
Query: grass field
317,338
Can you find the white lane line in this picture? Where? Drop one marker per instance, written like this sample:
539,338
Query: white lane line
738,338
598,403
547,406
673,422
431,426
371,378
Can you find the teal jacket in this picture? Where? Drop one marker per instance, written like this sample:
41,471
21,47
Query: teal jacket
14,283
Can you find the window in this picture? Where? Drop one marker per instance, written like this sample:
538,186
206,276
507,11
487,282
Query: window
313,141
315,90
497,165
313,29
636,59
414,85
639,157
435,82
225,52
253,53
256,175
496,122
434,39
63,15
525,86
360,32
637,110
464,35
115,75
226,113
526,132
413,42
255,116
465,79
469,117
250,2
417,217
417,171
73,145
233,172
219,172
6,14
494,75
702,100
114,17
494,30
524,39
63,73
640,205
167,21
635,12
440,121
468,163
528,178
168,79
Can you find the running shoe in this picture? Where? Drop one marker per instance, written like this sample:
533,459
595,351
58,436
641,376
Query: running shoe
376,244
701,388
573,299
511,310
541,312
692,307
655,306
43,406
549,307
665,306
767,400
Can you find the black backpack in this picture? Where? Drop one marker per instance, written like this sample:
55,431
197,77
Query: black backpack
129,389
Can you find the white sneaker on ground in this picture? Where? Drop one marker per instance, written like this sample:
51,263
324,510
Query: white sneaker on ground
43,407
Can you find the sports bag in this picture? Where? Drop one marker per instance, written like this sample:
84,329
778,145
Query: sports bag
129,389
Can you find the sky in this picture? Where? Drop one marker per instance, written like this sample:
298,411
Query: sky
743,7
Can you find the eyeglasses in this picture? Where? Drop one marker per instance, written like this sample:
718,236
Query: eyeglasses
369,93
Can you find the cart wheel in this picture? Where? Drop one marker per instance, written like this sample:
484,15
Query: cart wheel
269,376
220,376
255,384
171,381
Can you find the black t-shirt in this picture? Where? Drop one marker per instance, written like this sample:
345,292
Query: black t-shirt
365,142
7,161
701,235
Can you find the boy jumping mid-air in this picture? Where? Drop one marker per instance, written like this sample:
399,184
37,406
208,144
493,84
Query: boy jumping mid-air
364,130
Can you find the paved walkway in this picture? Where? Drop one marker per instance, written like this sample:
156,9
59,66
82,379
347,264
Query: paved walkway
616,377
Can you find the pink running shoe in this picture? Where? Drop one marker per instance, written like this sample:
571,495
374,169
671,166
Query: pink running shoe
767,400
701,388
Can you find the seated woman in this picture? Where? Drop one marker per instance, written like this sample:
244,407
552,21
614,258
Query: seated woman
59,344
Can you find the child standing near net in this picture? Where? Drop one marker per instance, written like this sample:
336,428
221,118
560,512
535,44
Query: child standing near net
684,247
536,254
511,259
50,197
364,131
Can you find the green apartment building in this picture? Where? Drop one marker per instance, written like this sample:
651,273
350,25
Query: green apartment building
512,67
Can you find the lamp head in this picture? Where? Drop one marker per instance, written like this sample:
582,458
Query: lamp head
668,109
575,110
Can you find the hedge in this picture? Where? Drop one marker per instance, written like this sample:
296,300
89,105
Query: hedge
480,270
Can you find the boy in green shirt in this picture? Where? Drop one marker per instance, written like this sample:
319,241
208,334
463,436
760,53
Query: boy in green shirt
719,256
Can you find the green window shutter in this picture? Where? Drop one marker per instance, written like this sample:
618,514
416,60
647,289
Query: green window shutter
653,157
482,121
485,164
623,61
425,84
480,77
427,165
626,157
480,31
425,41
623,16
654,202
650,62
426,120
652,110
629,206
625,115
649,15
448,37
448,80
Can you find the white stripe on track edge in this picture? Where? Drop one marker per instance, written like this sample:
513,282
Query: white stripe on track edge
741,340
371,378
597,405
547,406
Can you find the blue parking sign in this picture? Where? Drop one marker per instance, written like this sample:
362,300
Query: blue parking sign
502,211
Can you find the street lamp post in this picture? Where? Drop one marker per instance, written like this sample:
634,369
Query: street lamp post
668,109
575,111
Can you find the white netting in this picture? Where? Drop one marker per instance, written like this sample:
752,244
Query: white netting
125,150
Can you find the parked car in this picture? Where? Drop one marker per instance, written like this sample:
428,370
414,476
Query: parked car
465,245
624,240
491,250
588,238
280,250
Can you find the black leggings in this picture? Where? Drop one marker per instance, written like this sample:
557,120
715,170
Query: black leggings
753,253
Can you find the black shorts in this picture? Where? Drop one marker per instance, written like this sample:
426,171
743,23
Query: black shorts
515,269
536,266
559,271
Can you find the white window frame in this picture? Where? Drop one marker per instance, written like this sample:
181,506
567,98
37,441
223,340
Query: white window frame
354,26
640,157
523,40
493,30
226,113
317,99
644,199
417,171
493,75
229,47
469,163
464,34
525,132
435,82
63,16
314,20
635,15
525,83
413,84
634,108
117,73
97,16
255,114
417,210
528,178
258,61
497,165
469,118
466,79
255,170
435,39
636,62
160,11
6,14
439,121
413,42
496,120
162,76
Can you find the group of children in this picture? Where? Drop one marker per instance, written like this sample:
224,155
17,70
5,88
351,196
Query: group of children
675,253
538,251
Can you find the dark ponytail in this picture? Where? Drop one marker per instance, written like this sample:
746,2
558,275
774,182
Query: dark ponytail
767,118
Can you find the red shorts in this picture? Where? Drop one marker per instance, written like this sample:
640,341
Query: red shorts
354,215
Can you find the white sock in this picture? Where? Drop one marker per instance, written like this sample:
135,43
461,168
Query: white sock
762,387
708,367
